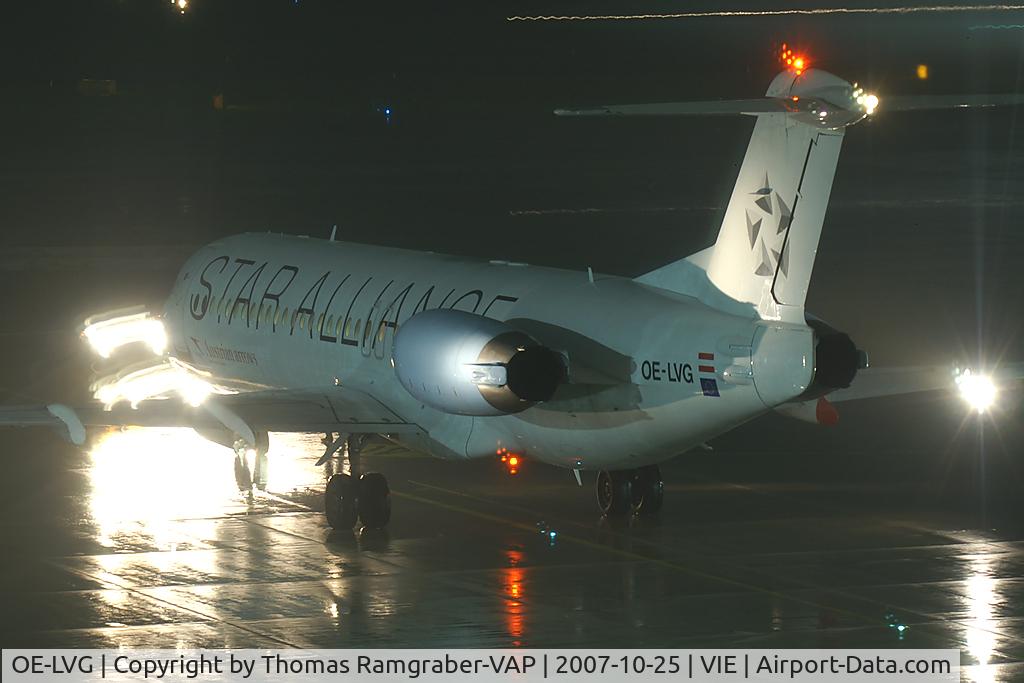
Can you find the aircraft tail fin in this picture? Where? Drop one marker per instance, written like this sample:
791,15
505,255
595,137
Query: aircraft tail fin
766,245
768,240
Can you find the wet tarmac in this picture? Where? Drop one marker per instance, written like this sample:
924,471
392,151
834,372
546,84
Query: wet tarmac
145,541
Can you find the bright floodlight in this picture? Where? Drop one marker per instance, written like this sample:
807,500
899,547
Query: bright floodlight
977,390
158,380
107,335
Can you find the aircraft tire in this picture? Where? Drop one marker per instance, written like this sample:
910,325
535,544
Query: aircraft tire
374,500
340,501
615,492
648,490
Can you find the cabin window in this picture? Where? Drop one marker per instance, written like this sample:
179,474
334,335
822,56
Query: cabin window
330,324
320,322
359,323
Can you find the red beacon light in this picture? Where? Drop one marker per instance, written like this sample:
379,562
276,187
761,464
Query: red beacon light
795,62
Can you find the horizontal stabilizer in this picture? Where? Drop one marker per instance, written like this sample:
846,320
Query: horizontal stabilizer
879,382
923,102
795,105
759,105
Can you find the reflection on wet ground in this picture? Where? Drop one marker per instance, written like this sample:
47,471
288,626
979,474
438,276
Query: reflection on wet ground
147,542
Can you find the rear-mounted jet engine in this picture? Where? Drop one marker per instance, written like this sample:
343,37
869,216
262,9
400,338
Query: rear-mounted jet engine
466,364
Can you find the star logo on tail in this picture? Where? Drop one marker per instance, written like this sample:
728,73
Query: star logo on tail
768,217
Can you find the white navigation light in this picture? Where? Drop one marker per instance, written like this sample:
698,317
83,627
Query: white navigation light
865,100
977,390
105,336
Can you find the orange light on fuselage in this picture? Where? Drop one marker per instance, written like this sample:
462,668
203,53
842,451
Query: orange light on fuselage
512,462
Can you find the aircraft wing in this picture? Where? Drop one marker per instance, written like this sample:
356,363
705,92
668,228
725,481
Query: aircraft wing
332,409
878,382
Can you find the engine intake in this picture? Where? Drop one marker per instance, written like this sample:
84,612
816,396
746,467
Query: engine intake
466,364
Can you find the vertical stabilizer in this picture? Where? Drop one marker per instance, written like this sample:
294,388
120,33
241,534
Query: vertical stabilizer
761,262
766,246
769,237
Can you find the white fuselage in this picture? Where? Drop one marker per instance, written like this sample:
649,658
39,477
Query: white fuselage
652,373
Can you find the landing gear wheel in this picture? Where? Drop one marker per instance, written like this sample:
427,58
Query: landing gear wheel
648,490
340,501
615,492
374,500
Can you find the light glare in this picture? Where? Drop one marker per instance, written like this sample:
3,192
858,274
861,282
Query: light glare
977,390
154,381
866,101
105,336
797,63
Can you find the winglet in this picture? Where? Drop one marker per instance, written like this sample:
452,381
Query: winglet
75,430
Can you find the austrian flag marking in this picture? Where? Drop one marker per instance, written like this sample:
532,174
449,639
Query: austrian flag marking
708,385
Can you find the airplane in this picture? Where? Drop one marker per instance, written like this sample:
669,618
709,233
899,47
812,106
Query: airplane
460,358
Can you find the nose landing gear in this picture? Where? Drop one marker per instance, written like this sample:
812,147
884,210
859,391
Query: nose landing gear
355,496
622,492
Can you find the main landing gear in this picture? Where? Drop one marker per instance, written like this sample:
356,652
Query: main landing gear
624,492
355,496
251,463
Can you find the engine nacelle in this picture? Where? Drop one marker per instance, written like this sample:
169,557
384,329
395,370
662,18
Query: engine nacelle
836,360
466,364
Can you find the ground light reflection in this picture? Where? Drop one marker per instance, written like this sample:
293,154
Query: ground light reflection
144,482
980,638
512,579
